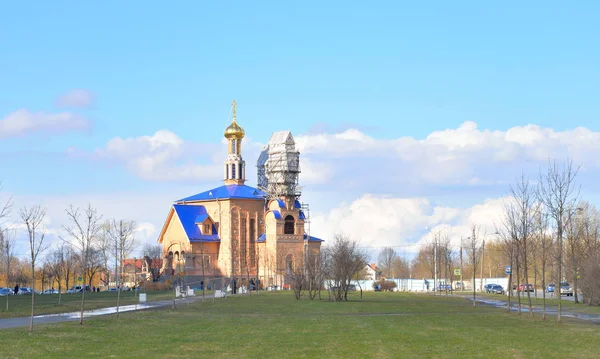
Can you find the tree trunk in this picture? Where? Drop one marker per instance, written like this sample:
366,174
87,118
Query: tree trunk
527,277
82,302
32,296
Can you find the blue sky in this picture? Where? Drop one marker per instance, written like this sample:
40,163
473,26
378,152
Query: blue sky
390,70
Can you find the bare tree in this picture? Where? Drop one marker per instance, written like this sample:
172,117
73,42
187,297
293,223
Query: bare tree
7,241
105,246
474,255
123,241
557,191
58,266
524,209
83,233
153,253
5,209
32,218
346,261
314,274
385,261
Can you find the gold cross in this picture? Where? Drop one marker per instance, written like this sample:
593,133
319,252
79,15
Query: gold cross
234,104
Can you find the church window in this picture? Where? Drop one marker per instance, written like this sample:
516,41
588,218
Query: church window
289,263
234,146
289,225
207,229
226,171
206,261
233,170
252,238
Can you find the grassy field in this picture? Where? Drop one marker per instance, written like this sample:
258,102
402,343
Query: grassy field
20,305
275,325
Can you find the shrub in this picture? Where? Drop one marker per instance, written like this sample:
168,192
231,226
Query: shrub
386,285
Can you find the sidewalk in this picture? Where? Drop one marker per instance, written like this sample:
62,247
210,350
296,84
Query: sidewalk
499,303
74,316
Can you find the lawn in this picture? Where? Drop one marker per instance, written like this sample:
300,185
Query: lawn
275,325
20,305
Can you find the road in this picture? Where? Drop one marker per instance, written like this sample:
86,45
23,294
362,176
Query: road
74,316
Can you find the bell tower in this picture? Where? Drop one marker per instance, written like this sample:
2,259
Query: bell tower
234,166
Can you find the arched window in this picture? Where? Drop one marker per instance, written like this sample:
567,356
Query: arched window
233,170
289,263
206,261
234,146
289,225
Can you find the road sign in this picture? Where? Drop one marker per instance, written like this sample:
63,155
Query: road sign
508,270
79,279
457,271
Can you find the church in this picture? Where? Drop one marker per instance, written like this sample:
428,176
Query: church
236,231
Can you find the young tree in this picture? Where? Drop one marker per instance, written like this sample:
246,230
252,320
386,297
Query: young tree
58,266
524,209
32,218
105,246
122,234
83,234
474,255
7,241
558,192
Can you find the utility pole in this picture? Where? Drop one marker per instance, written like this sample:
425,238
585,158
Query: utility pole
482,254
434,266
462,284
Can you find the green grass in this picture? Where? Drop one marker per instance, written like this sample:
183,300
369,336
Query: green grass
275,325
20,305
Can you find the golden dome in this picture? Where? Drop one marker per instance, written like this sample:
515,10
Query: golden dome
234,130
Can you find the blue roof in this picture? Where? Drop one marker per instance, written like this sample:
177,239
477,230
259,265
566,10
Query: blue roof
281,203
312,239
297,204
277,214
201,217
263,238
227,191
187,215
301,215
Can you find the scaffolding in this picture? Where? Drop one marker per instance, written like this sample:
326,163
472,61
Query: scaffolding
278,167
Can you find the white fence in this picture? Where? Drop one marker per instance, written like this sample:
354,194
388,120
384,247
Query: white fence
427,284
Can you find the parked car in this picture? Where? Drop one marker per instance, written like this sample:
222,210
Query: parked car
565,289
496,289
487,287
550,288
79,289
6,291
50,291
525,288
444,287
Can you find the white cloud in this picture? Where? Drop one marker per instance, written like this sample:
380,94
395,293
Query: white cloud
379,221
24,122
165,157
78,98
464,156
